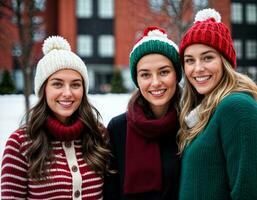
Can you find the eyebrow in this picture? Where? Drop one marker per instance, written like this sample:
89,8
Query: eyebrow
58,79
161,68
203,53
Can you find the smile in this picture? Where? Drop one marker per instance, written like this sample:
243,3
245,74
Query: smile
65,103
202,78
157,92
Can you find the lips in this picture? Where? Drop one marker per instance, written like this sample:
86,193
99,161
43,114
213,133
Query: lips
202,78
157,92
65,104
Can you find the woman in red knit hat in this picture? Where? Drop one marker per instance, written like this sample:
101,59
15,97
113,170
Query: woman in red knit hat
143,139
218,135
59,153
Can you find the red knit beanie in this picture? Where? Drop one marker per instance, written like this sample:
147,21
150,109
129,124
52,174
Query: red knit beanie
209,30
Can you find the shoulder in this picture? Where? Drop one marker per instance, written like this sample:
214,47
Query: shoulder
117,127
17,143
119,120
237,102
18,137
237,108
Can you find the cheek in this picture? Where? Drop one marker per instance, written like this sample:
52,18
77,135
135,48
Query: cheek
79,94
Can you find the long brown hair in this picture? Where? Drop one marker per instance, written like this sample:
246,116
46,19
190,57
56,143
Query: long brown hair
231,81
94,145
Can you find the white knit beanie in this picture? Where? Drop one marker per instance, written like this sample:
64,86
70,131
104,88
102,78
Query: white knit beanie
57,56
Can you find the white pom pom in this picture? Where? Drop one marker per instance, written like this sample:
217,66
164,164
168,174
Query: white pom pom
208,13
157,33
55,42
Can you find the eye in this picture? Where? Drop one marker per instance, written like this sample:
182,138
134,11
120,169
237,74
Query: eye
207,58
164,72
57,84
144,75
189,61
76,85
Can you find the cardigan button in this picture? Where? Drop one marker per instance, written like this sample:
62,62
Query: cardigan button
74,168
67,144
77,194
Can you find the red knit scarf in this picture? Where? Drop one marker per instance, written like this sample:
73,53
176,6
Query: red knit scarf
143,171
64,132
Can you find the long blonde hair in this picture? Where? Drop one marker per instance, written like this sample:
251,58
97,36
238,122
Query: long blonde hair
231,81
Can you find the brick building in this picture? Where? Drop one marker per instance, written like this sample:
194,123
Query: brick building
103,32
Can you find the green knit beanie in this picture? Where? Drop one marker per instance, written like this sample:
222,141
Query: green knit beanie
154,40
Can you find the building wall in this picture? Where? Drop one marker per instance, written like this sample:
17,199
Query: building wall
130,19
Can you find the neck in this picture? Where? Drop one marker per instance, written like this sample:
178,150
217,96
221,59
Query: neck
160,111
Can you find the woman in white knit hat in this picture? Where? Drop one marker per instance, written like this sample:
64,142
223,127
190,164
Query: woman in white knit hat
60,152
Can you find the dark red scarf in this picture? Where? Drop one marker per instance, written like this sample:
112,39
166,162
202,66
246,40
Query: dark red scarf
64,132
143,168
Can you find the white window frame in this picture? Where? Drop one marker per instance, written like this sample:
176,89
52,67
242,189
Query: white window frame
239,48
84,8
105,9
106,46
237,13
251,49
251,13
85,45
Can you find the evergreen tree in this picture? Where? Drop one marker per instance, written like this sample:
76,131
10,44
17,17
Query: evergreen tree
7,85
117,83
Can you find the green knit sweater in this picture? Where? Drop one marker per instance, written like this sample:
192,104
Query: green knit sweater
221,162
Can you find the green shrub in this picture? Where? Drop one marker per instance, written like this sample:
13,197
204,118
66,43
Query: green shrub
7,85
117,82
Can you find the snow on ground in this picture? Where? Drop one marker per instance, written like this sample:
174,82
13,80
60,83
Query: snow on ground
12,110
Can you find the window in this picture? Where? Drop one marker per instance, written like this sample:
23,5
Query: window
106,46
106,8
200,4
84,8
238,48
237,13
251,49
40,4
156,5
85,45
251,14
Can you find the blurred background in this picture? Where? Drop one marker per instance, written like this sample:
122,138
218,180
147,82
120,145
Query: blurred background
103,32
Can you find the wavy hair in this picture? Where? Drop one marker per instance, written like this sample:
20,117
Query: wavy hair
94,144
231,81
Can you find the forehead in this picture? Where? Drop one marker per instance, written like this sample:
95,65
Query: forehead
66,74
198,49
151,61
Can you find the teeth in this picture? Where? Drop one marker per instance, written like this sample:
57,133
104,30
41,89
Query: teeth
66,103
204,78
157,92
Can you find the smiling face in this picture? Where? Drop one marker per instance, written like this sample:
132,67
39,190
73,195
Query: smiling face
156,77
203,67
64,91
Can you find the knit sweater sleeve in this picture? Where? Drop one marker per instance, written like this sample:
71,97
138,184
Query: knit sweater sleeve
14,168
238,119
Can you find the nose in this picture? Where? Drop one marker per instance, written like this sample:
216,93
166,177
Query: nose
199,65
67,91
156,81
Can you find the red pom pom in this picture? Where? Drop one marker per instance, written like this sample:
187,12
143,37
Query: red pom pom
151,28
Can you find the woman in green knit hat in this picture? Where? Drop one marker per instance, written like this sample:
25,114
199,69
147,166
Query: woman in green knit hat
218,135
143,139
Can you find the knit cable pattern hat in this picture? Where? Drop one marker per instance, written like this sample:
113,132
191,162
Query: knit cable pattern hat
209,30
57,56
154,40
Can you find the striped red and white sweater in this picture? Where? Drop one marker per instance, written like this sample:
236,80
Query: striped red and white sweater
70,177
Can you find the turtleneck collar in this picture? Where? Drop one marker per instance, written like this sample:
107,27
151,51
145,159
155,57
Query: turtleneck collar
64,132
